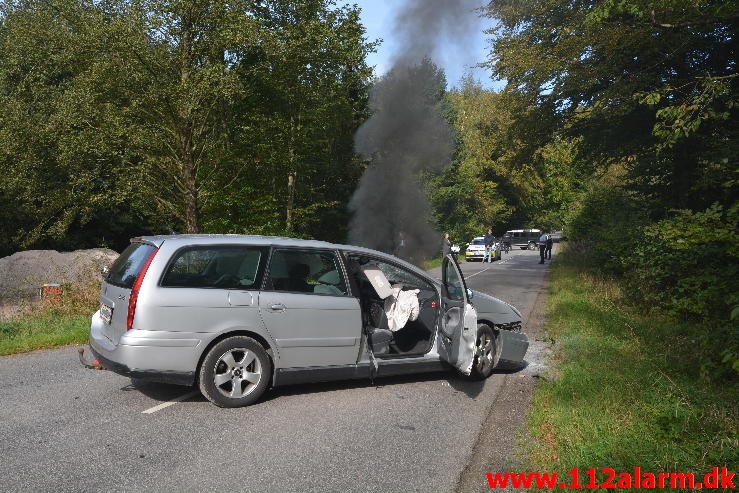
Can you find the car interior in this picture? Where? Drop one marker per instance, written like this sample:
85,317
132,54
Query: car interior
216,267
305,271
416,336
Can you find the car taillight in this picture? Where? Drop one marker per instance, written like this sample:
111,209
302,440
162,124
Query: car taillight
135,290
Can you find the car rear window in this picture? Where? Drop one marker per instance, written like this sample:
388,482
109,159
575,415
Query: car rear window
127,266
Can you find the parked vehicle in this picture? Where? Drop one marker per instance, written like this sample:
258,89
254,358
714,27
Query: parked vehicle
238,314
525,238
476,249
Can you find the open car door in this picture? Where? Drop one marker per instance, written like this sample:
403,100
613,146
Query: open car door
458,325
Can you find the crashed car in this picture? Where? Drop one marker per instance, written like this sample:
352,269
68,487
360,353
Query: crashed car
236,315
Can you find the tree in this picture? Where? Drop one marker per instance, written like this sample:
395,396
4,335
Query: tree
645,98
123,118
310,84
65,139
646,84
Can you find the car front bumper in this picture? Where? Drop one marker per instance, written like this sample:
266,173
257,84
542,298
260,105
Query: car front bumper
475,254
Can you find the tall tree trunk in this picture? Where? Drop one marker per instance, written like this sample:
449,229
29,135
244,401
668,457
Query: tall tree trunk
291,179
192,207
290,201
189,171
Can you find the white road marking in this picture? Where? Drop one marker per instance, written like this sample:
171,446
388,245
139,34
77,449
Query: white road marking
480,272
170,403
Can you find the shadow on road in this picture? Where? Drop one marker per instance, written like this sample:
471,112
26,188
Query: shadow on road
165,392
162,392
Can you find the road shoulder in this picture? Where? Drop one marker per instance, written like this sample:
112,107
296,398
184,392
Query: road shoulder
500,445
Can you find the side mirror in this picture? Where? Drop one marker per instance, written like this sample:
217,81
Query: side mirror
470,294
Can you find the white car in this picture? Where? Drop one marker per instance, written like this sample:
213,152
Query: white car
476,249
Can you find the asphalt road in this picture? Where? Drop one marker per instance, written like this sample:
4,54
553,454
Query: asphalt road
66,428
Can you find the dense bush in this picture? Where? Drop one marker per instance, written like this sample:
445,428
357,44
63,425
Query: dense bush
605,226
688,265
685,266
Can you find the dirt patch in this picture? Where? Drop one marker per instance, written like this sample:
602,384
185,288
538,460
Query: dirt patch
23,273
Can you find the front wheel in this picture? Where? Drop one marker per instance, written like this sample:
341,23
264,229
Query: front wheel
235,372
485,352
532,246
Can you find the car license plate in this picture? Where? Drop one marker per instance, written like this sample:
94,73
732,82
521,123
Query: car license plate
106,312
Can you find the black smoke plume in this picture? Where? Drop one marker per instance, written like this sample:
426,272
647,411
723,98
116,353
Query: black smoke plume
407,137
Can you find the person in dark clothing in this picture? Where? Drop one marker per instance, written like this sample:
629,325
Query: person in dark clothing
543,246
548,250
507,242
446,245
401,248
489,244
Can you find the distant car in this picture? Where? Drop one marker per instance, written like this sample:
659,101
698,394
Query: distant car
476,249
235,315
525,238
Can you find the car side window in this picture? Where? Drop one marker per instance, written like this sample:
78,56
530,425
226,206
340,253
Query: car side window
225,267
395,275
305,271
454,284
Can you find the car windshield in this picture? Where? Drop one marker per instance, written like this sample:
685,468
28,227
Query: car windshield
478,241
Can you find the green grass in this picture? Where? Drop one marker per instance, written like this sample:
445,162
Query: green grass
625,389
55,322
44,330
432,263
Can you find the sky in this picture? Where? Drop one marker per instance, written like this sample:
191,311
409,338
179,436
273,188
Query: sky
456,58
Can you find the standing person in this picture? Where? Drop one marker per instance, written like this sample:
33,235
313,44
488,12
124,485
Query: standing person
548,251
507,242
543,246
401,249
489,244
446,245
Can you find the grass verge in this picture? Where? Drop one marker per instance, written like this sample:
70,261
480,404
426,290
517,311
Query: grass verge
43,331
625,390
50,323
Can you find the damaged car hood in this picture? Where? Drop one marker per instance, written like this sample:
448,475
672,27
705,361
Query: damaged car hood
495,310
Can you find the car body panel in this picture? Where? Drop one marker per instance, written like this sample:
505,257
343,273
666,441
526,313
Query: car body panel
512,347
495,310
458,321
312,329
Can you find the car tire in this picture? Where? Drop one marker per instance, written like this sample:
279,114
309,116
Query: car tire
235,372
486,349
532,246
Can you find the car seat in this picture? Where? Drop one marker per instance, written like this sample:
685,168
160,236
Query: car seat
329,283
297,281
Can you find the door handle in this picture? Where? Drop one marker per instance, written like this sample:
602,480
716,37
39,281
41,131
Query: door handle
278,307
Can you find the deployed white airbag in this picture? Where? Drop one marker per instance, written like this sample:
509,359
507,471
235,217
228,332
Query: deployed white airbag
400,307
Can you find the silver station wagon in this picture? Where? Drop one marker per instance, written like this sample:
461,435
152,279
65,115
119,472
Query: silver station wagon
238,314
